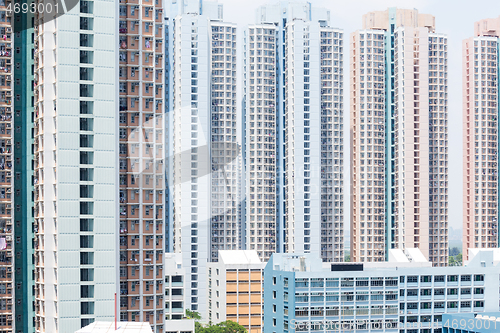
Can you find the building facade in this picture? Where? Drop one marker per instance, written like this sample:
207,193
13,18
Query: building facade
399,134
404,295
202,140
76,167
235,289
293,132
142,155
480,135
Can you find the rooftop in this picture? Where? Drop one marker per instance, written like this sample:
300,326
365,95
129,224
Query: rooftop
239,257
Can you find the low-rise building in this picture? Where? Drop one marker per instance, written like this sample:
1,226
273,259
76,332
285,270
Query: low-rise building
404,295
235,289
174,287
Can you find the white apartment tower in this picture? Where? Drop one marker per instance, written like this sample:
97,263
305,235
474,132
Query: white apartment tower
76,167
293,132
480,135
399,133
204,159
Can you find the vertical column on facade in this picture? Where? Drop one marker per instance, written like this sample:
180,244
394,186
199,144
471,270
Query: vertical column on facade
6,169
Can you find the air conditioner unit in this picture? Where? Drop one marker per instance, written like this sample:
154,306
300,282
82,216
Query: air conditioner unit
9,238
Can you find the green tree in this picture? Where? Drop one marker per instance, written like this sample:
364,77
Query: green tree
454,251
192,315
227,326
451,261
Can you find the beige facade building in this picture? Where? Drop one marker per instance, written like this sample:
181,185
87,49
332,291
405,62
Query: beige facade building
399,154
480,136
235,289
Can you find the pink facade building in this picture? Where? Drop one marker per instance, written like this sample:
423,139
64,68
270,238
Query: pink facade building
480,135
399,135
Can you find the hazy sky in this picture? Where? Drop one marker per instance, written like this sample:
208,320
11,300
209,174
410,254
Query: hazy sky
454,18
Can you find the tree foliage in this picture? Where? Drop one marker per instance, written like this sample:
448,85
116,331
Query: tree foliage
455,260
192,315
454,251
227,326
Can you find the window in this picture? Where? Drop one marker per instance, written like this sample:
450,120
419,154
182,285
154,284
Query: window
439,278
425,278
86,242
86,208
86,157
86,224
86,258
87,308
412,279
86,174
465,291
86,291
439,291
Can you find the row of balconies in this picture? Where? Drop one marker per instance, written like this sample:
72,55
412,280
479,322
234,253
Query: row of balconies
131,58
146,13
132,44
132,227
146,120
131,27
149,303
149,242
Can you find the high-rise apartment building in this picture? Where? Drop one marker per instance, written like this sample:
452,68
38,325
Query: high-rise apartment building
142,155
399,135
203,164
293,132
76,167
480,136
